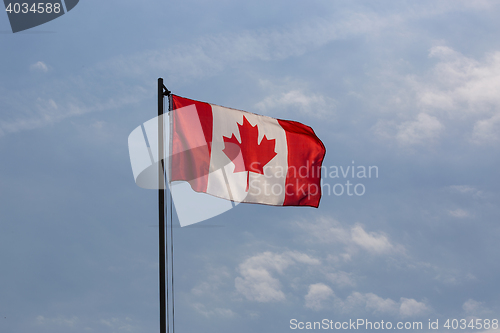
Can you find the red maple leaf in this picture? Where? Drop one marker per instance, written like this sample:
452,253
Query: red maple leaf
255,155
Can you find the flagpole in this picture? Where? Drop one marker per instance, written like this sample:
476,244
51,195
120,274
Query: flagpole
161,211
162,91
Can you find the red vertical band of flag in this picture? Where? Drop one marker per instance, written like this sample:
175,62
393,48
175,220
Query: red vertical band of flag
305,155
192,165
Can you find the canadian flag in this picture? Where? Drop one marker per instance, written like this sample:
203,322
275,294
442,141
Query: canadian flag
244,157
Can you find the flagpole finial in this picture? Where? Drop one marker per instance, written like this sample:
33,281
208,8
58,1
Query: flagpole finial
166,92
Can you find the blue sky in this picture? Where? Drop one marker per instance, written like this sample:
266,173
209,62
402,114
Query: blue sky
410,87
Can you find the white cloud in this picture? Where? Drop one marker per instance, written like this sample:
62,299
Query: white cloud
292,96
341,279
471,306
353,239
120,324
468,190
476,309
412,308
57,321
215,312
457,92
487,130
459,213
452,276
213,279
464,189
321,297
423,129
257,282
99,124
326,230
317,295
466,89
370,302
373,242
378,304
302,258
406,307
40,67
48,111
462,84
313,104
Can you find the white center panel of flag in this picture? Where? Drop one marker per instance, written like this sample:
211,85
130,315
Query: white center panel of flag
250,187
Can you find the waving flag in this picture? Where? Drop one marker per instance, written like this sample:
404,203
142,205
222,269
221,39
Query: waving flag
244,157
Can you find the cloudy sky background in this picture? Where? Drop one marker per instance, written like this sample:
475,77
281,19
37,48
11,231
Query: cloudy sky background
411,87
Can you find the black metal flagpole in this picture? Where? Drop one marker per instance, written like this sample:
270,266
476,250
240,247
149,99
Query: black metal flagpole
162,91
161,211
